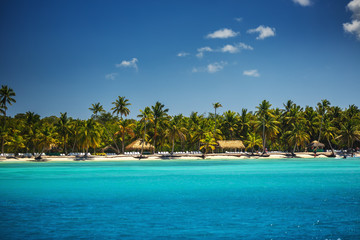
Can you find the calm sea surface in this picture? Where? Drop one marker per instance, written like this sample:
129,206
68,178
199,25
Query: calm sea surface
242,199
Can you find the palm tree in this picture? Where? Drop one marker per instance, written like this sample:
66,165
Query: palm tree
63,126
349,133
121,107
6,97
97,108
159,113
229,124
45,138
126,127
146,116
253,141
75,127
216,106
32,121
89,135
208,142
322,108
175,131
266,121
329,132
297,136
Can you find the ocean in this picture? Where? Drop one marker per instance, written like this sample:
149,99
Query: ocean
178,199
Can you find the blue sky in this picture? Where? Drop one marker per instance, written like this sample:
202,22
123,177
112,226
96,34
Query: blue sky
62,56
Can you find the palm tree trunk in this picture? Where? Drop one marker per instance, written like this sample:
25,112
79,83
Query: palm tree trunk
155,132
173,144
142,145
3,137
320,128
73,148
215,125
117,147
332,149
123,144
263,137
293,152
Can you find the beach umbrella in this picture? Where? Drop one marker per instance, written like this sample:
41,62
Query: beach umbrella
230,144
136,146
317,144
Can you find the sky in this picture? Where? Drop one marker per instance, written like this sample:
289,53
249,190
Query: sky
63,56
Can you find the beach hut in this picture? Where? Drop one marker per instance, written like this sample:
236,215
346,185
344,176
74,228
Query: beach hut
230,144
137,145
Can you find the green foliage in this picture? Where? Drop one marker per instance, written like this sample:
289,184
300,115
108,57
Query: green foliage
291,128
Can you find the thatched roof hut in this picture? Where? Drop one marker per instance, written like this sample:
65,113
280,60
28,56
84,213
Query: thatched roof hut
230,144
317,144
136,145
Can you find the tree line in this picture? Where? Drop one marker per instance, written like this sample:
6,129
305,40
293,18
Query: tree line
289,129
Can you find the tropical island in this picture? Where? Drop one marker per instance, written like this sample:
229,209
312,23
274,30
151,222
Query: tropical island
292,131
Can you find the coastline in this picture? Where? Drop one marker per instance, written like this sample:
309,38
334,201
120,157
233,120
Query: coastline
158,157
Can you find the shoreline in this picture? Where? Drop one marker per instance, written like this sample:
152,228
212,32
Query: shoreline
158,157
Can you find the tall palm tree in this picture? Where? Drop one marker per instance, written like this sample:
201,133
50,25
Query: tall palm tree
322,108
266,120
121,107
175,131
208,142
216,106
349,133
97,109
63,126
253,141
159,113
126,127
329,132
32,121
45,138
230,124
6,97
146,116
297,136
89,135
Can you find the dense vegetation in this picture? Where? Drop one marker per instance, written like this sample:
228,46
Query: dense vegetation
289,129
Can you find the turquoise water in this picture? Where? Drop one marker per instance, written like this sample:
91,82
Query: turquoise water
242,199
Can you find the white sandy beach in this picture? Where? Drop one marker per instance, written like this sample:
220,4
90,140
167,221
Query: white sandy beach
156,157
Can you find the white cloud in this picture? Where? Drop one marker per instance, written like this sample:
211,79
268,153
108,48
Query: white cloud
222,33
202,50
132,64
235,48
211,68
230,48
353,27
303,3
244,46
264,32
239,19
111,76
251,73
183,54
